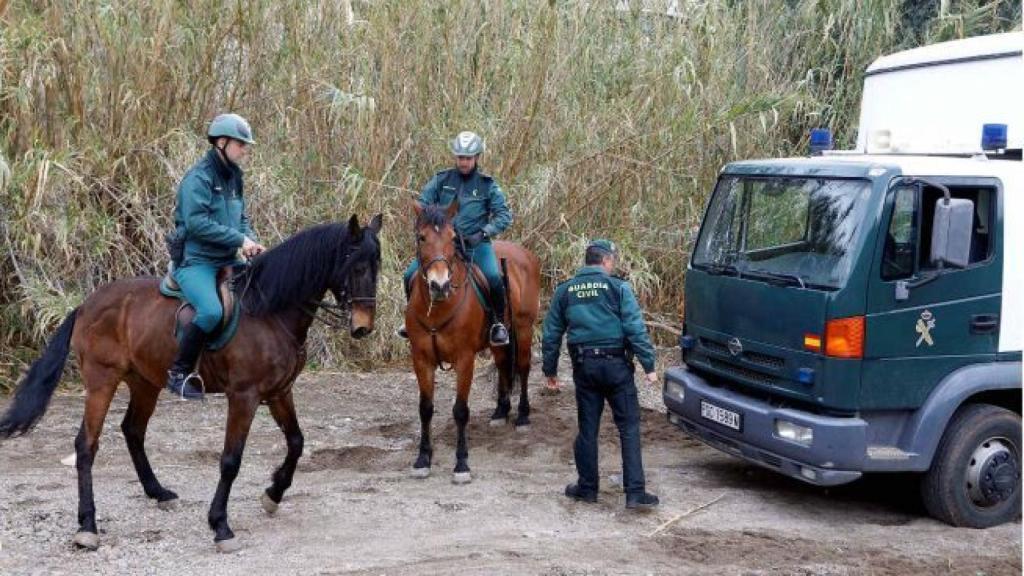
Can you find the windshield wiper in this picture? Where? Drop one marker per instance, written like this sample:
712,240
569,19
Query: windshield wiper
776,277
720,269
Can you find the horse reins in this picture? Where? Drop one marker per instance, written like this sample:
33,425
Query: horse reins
433,330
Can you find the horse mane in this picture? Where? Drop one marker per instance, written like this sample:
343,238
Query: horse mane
296,271
433,215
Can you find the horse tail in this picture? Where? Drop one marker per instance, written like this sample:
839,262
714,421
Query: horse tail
35,390
513,336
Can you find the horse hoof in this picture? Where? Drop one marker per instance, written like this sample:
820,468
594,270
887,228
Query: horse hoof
87,540
496,422
523,428
269,506
461,478
420,472
228,546
167,505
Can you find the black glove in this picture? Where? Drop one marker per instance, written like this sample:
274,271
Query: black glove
473,240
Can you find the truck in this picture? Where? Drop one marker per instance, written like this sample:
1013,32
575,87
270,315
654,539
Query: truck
862,311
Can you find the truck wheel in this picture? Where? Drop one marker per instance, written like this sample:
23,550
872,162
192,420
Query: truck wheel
975,477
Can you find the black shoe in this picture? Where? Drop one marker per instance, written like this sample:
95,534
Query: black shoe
641,501
179,384
402,332
499,334
573,491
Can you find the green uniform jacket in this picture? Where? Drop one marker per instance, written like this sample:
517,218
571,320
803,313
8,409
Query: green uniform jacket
211,212
481,202
597,310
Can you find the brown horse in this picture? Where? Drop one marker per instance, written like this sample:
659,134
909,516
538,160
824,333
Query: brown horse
447,324
123,333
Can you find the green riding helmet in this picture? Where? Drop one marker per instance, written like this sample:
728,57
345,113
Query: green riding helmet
230,126
467,144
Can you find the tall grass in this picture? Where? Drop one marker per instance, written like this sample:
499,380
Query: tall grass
599,122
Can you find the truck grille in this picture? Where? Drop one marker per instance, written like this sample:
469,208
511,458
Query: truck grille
741,372
773,362
765,360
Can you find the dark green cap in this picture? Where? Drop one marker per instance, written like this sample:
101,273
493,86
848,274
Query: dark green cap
604,245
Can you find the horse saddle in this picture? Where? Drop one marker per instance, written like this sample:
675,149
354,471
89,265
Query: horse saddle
481,286
229,302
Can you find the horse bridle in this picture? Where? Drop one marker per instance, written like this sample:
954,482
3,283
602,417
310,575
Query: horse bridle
338,315
444,259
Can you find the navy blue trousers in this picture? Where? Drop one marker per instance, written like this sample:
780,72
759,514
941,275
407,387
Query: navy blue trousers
599,380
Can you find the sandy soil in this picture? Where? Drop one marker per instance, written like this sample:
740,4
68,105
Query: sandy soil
353,509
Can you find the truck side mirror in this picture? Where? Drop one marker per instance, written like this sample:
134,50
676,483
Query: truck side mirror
951,232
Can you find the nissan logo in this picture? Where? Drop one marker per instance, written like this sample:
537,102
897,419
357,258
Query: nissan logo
735,346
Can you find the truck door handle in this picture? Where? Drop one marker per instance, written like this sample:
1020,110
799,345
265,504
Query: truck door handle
984,323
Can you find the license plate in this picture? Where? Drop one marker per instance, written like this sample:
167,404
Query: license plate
720,415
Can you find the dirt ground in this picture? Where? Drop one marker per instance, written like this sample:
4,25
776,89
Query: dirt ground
353,509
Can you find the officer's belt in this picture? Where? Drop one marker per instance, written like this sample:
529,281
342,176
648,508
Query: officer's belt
593,352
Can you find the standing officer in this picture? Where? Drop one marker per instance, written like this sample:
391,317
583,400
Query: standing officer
483,214
605,328
211,218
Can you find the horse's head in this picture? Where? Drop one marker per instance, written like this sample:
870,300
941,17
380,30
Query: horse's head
435,247
355,280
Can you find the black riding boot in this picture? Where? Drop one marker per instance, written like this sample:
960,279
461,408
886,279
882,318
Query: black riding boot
402,332
499,334
178,382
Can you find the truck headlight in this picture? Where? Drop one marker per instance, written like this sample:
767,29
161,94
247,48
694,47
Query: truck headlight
794,433
674,390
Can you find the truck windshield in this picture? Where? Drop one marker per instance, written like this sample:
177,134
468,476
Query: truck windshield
794,231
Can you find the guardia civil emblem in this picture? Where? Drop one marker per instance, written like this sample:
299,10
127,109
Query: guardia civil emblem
924,327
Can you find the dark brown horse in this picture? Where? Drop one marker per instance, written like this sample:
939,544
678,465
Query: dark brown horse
448,325
122,333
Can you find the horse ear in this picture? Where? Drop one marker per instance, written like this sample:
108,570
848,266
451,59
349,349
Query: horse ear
353,227
453,209
376,223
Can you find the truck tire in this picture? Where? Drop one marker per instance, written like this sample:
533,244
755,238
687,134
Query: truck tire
975,478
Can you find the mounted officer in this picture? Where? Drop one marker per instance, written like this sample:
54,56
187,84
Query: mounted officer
211,220
483,214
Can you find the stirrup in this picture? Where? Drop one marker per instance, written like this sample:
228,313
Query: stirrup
180,393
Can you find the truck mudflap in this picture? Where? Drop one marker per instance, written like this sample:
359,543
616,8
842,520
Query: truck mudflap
746,427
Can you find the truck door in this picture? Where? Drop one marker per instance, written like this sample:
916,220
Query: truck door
923,322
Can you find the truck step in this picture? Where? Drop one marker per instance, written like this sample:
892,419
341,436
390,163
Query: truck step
887,453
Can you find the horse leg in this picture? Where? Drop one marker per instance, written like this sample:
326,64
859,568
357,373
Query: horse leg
504,406
425,377
460,412
523,369
241,409
283,411
136,420
100,384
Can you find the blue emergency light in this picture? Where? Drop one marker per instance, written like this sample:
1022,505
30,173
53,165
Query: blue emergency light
993,137
821,140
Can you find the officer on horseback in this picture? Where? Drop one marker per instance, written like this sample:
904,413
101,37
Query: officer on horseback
211,220
483,214
605,329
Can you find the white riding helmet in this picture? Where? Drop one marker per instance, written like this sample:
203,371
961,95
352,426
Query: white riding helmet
467,144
